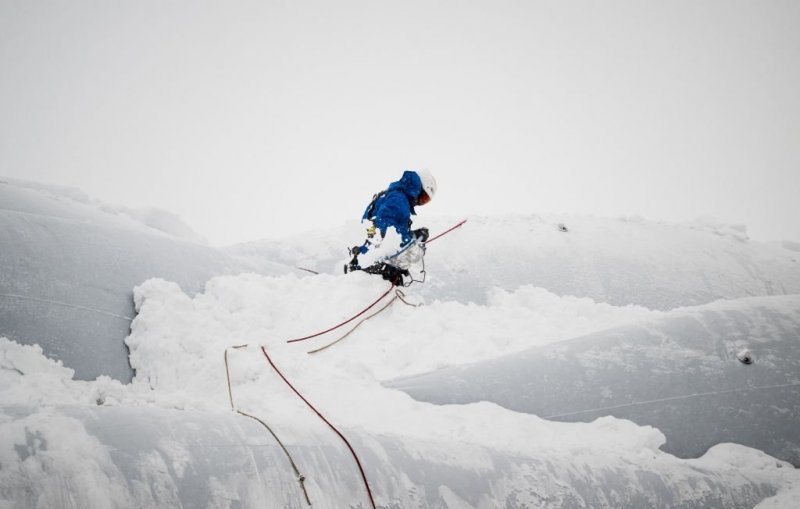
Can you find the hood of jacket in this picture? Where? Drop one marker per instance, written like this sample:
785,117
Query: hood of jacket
410,185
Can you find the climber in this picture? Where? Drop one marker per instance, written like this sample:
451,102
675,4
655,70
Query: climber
389,210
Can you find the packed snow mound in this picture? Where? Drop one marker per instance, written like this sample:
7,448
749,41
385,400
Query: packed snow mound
29,378
619,261
400,341
68,268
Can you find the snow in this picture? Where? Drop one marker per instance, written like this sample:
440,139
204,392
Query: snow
619,261
72,200
403,340
542,289
59,447
27,377
790,497
178,342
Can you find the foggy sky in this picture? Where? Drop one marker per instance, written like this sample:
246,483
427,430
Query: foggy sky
266,118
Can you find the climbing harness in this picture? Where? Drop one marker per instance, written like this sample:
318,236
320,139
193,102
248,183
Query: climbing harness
300,477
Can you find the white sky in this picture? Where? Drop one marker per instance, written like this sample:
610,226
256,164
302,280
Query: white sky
264,118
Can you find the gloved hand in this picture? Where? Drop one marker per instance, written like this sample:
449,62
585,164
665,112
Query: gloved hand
421,234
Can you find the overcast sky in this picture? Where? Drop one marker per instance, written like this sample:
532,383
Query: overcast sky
266,118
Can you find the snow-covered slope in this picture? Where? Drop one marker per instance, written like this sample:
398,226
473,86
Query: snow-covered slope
678,371
69,265
598,301
618,261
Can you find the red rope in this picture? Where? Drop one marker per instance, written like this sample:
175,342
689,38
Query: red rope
346,321
446,231
352,451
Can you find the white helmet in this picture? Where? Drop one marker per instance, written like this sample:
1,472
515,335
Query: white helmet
428,182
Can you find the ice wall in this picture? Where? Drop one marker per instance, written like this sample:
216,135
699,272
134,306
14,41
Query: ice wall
68,268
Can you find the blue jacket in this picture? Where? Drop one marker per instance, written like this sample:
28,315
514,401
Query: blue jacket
396,206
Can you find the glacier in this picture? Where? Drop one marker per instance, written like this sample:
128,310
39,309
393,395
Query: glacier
116,328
